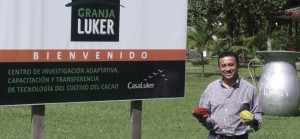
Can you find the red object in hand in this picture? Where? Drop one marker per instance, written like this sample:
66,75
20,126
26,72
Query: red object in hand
200,112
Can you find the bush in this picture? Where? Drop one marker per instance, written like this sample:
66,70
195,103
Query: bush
199,61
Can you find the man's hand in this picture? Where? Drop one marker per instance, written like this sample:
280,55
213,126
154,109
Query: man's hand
247,117
201,113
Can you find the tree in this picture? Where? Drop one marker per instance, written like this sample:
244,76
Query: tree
200,35
239,17
247,23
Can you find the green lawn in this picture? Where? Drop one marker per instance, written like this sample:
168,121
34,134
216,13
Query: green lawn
162,119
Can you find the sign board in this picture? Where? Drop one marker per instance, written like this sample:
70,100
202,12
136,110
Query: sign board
60,51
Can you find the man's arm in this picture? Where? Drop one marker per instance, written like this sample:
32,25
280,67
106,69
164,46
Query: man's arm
257,111
206,121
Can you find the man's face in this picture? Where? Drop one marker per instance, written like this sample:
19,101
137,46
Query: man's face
228,68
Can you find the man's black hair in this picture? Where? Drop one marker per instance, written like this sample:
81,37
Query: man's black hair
229,53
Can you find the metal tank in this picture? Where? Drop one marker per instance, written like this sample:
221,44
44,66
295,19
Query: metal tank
278,86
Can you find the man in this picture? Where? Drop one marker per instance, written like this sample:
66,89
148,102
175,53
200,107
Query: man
226,98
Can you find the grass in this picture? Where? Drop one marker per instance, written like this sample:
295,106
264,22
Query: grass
162,119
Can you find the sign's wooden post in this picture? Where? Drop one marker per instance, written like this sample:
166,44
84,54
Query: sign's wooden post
38,122
136,119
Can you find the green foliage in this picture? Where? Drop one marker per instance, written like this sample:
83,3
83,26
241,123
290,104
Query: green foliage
216,47
194,11
241,18
198,61
259,41
239,49
280,39
201,33
198,32
250,45
191,44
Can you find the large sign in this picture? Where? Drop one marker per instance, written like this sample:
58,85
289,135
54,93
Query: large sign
60,51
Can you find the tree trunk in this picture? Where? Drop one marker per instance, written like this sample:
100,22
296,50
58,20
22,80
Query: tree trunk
230,29
244,57
202,59
291,45
296,36
269,31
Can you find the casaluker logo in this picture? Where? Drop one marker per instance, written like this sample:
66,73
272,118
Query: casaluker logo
95,20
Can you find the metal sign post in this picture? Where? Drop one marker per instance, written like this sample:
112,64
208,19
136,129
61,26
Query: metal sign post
38,122
136,119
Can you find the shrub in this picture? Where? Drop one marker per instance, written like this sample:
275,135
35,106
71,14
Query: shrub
199,61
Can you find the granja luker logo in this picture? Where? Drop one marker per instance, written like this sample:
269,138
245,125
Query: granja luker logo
95,20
